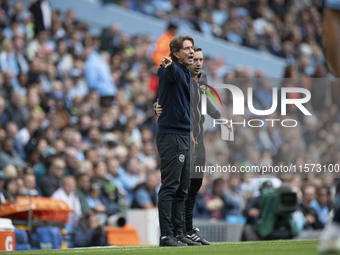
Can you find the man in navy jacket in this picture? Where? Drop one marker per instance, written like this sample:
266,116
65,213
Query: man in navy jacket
173,140
199,78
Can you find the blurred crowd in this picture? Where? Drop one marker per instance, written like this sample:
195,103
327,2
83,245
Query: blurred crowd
76,119
284,28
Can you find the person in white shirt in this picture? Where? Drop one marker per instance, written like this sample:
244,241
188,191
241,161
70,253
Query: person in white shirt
67,194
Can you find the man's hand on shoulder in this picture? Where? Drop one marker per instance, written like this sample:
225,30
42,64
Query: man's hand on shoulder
157,108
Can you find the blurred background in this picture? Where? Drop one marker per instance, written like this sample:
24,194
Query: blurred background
77,84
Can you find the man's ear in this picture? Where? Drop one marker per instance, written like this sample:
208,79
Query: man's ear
176,54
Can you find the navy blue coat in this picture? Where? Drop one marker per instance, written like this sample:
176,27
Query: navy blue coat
174,97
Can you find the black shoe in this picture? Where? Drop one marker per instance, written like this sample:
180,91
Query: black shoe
170,241
194,236
186,240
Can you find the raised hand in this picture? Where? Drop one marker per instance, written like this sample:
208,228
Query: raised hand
166,62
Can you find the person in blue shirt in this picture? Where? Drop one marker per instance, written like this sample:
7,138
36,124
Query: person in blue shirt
145,194
321,204
173,140
89,232
7,58
98,76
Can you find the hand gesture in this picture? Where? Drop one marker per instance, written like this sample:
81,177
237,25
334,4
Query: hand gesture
166,62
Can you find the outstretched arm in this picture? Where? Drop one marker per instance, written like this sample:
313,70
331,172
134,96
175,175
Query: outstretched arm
170,70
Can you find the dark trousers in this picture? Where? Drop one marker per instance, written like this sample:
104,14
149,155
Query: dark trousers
175,173
198,159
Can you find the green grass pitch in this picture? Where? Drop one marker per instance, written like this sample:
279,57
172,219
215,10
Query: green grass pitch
281,247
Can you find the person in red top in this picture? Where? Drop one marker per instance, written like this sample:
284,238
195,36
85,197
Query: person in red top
162,44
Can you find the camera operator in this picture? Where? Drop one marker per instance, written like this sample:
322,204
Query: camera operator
274,217
252,213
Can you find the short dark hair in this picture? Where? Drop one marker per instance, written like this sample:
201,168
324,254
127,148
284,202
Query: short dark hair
326,188
177,43
171,26
196,49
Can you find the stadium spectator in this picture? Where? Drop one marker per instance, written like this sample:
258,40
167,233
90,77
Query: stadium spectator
78,88
272,27
8,156
311,216
200,208
16,110
162,44
131,176
2,191
62,59
75,141
24,135
145,194
17,8
82,190
40,163
93,136
42,14
113,169
30,186
321,204
7,84
11,129
67,194
11,189
215,200
71,161
98,76
51,180
10,171
235,201
3,118
89,232
95,202
7,58
19,44
109,194
36,45
110,37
